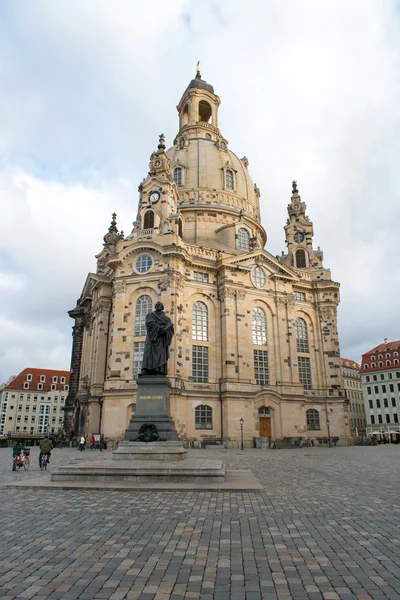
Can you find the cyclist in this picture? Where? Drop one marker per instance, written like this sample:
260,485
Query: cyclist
17,449
45,448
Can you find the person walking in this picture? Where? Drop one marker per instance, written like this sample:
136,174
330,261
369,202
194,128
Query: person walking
93,442
82,443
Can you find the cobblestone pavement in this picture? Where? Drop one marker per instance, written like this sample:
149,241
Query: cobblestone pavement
325,527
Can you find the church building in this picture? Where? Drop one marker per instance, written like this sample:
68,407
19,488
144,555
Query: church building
256,342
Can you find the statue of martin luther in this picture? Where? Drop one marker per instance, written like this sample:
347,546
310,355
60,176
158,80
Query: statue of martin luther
160,332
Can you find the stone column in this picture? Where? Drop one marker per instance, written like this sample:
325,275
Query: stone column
76,355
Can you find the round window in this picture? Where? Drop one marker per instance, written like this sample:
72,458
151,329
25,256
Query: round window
258,277
144,263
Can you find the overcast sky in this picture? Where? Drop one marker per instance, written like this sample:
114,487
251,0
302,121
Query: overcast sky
310,90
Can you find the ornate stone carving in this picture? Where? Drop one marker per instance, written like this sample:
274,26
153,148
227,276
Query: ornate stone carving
118,289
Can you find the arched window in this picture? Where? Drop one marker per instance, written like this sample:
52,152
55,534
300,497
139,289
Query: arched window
388,363
144,305
301,259
203,417
259,325
243,239
301,336
313,419
200,322
180,228
148,220
178,176
185,116
396,361
205,112
229,179
380,363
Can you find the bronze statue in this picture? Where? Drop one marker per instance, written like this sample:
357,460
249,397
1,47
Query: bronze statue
160,332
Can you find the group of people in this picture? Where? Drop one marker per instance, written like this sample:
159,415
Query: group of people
96,443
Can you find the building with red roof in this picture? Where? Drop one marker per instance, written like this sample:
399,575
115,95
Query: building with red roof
32,404
353,391
380,380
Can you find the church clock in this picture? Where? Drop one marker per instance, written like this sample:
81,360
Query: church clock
154,197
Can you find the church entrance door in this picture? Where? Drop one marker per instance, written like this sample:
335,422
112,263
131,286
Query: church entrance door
265,427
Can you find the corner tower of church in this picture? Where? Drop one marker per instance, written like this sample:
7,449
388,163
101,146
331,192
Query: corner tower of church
256,335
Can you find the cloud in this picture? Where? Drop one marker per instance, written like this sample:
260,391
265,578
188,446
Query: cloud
309,92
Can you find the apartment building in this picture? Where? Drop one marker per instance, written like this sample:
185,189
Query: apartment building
32,404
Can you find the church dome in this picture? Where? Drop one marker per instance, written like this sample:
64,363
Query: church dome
206,165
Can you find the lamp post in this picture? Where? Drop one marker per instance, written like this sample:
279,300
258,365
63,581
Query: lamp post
329,433
241,434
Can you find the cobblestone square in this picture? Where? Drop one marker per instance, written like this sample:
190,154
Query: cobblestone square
325,527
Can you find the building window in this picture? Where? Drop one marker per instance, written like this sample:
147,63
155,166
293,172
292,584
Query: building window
372,420
138,349
144,263
144,306
380,420
261,371
200,322
148,220
395,418
208,136
301,259
43,378
367,378
313,419
299,296
62,380
200,364
202,277
178,176
385,403
384,389
26,385
53,387
371,404
305,372
394,402
133,408
396,362
29,377
258,277
368,390
378,403
40,386
203,417
54,379
259,327
229,179
301,336
243,239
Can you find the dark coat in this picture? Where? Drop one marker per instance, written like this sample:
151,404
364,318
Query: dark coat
160,332
45,446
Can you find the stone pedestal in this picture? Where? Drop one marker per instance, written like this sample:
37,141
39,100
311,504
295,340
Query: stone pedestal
152,406
165,451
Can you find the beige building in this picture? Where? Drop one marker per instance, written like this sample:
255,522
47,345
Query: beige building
32,404
355,401
255,334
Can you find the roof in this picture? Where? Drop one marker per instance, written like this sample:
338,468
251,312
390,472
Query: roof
346,362
383,347
18,382
200,84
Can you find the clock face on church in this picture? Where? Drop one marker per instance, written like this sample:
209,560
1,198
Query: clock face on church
154,197
298,236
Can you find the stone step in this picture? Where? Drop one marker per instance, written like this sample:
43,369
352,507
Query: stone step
191,470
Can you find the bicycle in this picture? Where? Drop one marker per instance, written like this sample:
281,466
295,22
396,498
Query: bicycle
22,461
44,458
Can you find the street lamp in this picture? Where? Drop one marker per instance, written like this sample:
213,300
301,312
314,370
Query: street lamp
241,434
329,433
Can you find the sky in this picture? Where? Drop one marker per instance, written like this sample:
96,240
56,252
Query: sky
310,91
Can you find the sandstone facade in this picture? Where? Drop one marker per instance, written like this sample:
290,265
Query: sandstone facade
255,335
